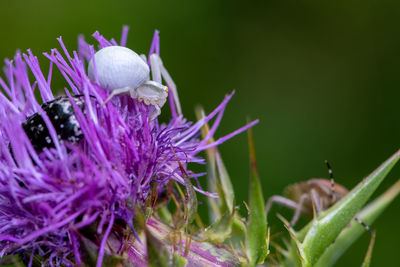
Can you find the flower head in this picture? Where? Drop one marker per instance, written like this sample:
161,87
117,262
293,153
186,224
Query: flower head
100,170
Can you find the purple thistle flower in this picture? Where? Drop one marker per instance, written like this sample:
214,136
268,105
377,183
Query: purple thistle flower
47,197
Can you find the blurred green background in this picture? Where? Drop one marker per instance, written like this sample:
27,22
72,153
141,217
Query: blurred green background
322,77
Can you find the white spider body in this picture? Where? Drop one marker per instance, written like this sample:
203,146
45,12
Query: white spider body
123,71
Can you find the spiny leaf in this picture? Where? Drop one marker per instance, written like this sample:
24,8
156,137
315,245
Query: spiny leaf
191,197
90,253
196,252
11,261
165,214
350,234
159,255
225,183
214,204
256,234
326,228
178,260
221,229
238,233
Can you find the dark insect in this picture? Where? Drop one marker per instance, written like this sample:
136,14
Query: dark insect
61,114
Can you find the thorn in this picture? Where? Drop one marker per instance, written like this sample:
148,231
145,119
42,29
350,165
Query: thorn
313,208
368,256
187,245
285,222
233,250
268,239
244,251
247,207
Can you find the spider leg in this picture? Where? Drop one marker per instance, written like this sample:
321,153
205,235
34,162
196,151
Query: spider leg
155,65
152,93
115,92
143,56
155,113
167,78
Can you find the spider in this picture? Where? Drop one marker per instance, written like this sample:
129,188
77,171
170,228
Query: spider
123,72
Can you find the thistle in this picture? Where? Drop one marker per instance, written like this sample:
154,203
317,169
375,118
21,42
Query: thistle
93,178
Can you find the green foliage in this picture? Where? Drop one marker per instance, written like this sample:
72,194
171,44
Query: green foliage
328,225
173,235
350,234
159,255
318,244
329,235
256,235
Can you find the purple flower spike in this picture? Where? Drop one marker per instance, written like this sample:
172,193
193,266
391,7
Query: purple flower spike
51,195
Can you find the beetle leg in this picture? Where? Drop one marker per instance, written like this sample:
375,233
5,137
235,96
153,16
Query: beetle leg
298,209
281,201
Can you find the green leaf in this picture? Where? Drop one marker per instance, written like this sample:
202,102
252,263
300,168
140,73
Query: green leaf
191,203
90,251
190,200
225,183
256,233
350,234
325,229
195,252
178,260
90,254
165,214
159,255
12,261
214,204
220,230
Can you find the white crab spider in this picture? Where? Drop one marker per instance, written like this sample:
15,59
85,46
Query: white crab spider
124,72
